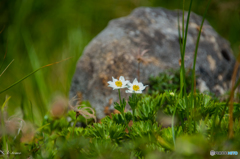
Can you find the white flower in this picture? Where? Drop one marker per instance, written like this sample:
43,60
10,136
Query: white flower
117,84
171,93
135,87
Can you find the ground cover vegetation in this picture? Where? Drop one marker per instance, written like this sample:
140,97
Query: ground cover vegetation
171,120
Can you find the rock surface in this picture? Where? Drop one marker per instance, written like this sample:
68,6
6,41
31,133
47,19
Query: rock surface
114,53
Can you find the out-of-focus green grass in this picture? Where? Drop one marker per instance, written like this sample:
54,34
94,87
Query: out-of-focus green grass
36,33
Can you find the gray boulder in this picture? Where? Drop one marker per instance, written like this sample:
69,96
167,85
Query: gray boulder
114,51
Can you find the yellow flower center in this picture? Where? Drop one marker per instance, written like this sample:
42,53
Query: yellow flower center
118,83
135,87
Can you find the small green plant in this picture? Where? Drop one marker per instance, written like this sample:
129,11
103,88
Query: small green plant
135,88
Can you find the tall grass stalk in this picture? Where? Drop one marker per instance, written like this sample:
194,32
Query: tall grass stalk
4,139
182,25
181,79
184,46
30,75
19,80
182,54
234,75
231,95
180,39
194,61
182,43
6,68
36,64
182,69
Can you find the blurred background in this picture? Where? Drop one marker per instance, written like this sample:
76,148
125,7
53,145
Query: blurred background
37,33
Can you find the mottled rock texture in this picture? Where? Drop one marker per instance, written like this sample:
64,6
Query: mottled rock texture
113,52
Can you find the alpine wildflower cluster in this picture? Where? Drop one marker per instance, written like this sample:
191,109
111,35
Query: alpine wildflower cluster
135,87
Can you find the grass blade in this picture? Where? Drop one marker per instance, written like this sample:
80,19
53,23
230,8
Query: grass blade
183,91
183,23
41,84
183,68
232,91
182,71
184,45
30,75
195,53
6,67
195,59
234,75
5,149
180,44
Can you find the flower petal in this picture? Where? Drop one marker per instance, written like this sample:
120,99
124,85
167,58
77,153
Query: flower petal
109,82
135,81
140,84
121,78
125,83
114,80
129,91
143,87
131,88
129,84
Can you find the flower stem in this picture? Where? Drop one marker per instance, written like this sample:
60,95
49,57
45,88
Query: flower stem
120,97
122,106
134,98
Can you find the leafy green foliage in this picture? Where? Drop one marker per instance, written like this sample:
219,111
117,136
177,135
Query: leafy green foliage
147,107
168,80
119,119
107,130
120,107
141,129
136,134
115,137
133,100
